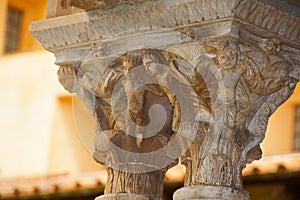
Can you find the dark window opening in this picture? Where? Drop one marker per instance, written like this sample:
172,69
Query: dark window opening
13,30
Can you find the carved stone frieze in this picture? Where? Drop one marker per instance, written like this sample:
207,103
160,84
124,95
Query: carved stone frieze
166,79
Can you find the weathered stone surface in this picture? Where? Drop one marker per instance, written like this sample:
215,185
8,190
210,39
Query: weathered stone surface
247,82
166,15
167,79
98,4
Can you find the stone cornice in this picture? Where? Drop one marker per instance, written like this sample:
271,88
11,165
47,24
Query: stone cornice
273,16
107,4
99,25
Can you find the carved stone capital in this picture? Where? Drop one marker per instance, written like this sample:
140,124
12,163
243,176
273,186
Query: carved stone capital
247,80
173,78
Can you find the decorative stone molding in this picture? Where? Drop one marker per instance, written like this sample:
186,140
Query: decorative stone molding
155,15
217,70
100,4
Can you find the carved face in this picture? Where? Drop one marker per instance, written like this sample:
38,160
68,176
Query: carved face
227,58
150,64
127,65
271,46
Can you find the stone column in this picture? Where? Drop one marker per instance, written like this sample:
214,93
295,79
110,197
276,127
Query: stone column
174,78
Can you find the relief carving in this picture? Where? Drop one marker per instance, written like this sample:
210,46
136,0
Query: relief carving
233,86
247,82
263,65
123,107
169,79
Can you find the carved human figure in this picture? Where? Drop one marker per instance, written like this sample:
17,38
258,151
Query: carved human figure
226,71
266,71
180,91
155,64
225,105
268,81
124,98
221,72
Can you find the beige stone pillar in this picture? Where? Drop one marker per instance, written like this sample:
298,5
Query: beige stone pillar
174,78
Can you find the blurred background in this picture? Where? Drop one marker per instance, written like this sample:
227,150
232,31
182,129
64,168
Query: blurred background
41,154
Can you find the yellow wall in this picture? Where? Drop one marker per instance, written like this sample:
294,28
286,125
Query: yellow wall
71,146
280,133
27,100
33,11
38,135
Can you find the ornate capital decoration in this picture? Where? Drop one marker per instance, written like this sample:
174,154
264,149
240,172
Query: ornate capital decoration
169,79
